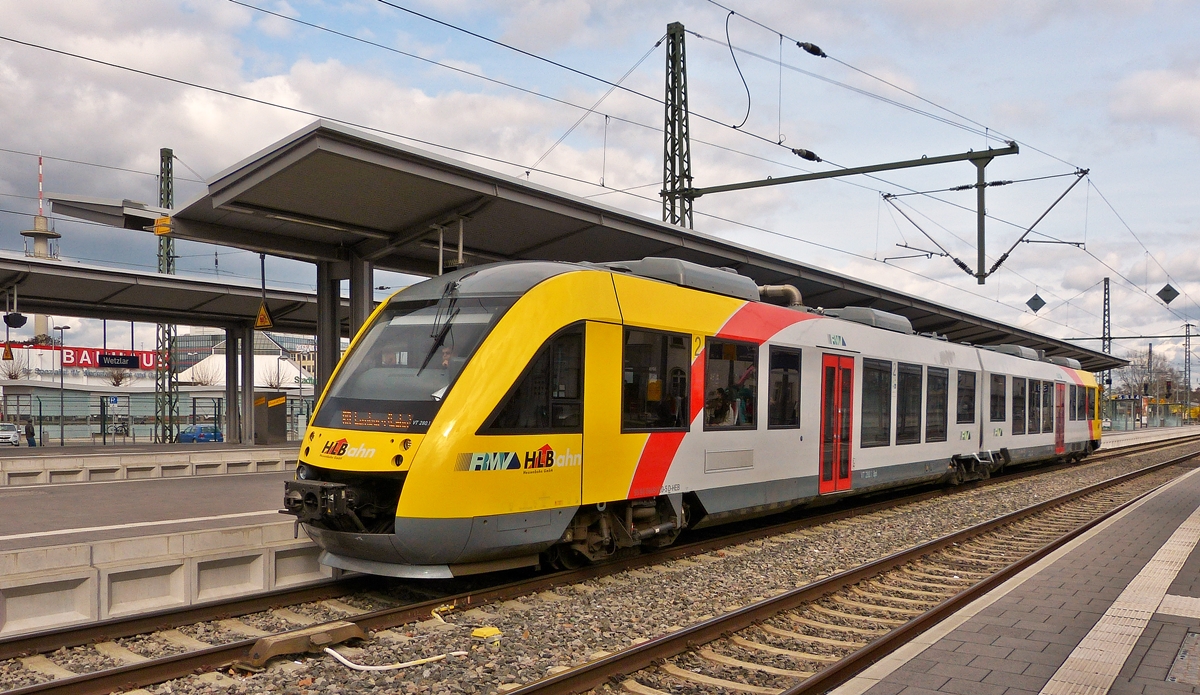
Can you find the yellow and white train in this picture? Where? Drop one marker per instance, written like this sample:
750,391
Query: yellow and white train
509,414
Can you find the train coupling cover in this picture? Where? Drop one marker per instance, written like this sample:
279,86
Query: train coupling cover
312,500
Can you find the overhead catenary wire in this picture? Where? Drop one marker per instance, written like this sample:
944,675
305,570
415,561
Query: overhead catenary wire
93,164
986,130
629,121
568,68
1179,286
264,102
733,55
510,85
596,105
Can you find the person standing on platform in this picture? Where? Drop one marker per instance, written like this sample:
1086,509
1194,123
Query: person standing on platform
29,433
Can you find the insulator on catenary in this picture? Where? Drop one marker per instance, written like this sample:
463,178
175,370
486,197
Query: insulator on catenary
806,154
811,48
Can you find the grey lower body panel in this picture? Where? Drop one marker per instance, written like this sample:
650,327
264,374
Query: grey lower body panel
420,542
899,474
719,500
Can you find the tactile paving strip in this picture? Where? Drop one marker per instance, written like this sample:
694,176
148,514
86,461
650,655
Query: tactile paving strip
1094,664
1182,606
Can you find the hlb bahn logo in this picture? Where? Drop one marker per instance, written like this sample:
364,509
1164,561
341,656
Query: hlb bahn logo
536,461
340,448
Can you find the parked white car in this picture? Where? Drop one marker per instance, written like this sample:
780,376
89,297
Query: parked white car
9,434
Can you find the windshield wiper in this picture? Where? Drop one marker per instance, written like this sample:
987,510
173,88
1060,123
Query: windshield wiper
439,339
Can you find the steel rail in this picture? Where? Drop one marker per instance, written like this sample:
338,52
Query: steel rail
158,670
591,675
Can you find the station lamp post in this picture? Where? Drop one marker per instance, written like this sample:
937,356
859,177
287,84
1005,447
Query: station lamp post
61,384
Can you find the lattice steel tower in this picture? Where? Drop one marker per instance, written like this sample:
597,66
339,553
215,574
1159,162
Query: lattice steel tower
1106,334
677,143
166,380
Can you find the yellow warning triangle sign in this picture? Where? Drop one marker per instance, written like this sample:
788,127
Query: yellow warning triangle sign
7,353
263,321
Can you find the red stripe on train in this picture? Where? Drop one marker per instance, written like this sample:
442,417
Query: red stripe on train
753,322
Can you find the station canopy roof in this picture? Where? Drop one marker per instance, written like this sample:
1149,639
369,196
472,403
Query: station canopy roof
63,288
329,191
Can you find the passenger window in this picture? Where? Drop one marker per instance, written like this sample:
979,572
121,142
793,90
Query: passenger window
937,404
731,385
1018,406
998,398
1035,406
1047,406
908,404
1091,402
877,403
1073,410
655,380
549,395
966,397
1083,396
783,397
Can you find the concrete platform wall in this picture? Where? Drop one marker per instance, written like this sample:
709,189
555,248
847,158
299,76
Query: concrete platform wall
80,468
1117,440
44,588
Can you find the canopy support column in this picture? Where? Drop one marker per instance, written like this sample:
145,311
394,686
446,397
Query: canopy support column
329,333
233,430
362,292
247,405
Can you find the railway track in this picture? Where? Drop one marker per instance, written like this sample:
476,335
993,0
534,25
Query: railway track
818,636
198,656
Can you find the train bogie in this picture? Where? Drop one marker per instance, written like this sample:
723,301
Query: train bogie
512,412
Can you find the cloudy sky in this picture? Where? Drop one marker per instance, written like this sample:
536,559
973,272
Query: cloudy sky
1111,86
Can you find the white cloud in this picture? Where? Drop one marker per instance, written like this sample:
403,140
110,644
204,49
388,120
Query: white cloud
1161,97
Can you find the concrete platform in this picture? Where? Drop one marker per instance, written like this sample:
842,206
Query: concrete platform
1115,611
74,464
76,553
1116,440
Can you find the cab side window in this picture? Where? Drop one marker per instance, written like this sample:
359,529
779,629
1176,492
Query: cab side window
549,395
655,388
730,385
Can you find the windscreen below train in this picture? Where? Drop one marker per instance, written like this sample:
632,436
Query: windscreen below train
396,376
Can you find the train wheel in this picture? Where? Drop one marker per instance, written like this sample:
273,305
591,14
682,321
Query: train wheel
563,557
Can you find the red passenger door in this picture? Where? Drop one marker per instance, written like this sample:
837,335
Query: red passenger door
1060,419
837,389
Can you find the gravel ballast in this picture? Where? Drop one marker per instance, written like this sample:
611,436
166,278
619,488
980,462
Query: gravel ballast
569,625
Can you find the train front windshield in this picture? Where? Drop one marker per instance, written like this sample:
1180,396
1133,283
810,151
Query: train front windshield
395,377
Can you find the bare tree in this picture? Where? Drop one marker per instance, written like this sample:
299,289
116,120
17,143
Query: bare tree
16,368
274,377
118,377
1140,378
205,373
